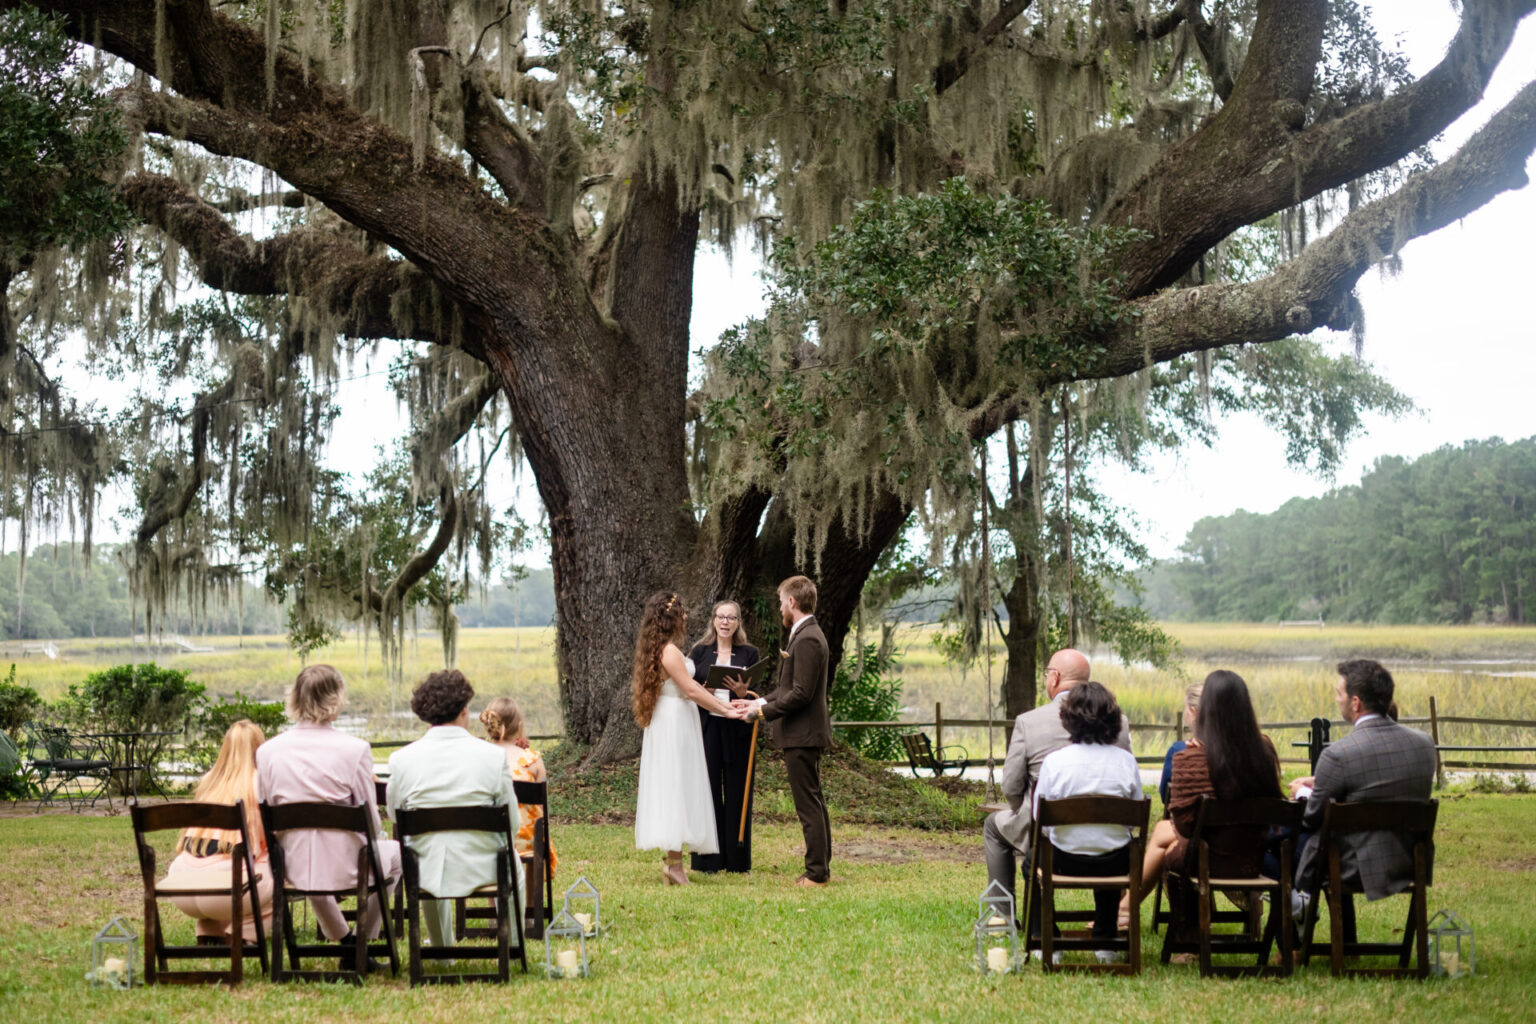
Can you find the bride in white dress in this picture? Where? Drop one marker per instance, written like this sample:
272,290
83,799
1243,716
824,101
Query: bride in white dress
674,807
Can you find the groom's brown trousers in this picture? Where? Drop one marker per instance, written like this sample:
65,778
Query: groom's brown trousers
803,766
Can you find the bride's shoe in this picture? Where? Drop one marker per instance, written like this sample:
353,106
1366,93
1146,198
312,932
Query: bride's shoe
672,871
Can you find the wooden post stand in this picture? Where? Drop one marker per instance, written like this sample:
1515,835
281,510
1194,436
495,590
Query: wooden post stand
1434,734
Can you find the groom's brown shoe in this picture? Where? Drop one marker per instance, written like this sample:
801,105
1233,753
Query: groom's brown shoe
806,882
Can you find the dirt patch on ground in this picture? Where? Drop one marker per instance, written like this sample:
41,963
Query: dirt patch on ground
1518,864
868,850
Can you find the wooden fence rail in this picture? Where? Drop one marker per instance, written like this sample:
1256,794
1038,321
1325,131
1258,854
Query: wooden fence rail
1175,725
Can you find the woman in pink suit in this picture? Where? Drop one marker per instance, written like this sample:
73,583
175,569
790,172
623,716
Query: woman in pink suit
314,763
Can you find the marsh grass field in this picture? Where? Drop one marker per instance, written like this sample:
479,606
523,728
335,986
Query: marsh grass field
1473,671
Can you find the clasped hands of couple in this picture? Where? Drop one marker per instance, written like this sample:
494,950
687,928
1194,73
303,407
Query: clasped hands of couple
743,708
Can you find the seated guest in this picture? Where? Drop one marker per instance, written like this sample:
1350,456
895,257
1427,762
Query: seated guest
448,767
1036,734
1090,765
314,762
1191,707
1378,760
1227,758
503,722
203,854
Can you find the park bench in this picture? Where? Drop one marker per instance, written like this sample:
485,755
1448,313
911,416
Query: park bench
922,756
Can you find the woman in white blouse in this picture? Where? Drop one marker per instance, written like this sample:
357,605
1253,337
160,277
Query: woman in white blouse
1091,766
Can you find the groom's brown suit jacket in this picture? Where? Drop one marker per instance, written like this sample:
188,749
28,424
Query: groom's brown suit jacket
796,710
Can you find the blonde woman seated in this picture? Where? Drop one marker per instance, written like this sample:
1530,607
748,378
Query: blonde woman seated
503,722
203,854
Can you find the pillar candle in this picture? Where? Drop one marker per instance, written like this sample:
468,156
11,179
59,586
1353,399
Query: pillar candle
997,960
569,965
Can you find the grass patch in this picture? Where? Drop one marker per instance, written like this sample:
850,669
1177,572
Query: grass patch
888,941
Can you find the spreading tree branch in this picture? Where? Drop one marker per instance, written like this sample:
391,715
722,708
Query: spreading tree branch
1253,157
953,69
371,296
1314,289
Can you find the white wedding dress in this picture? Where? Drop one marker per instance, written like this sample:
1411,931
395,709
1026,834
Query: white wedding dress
674,808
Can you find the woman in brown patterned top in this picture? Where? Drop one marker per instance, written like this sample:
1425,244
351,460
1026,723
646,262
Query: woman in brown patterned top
1227,746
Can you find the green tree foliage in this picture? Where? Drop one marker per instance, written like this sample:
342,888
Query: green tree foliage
18,704
1447,537
217,716
865,690
60,141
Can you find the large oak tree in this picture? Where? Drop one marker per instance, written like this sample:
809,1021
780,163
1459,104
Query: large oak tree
540,208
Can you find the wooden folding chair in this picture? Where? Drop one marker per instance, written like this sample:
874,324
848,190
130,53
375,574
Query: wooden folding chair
349,914
1199,889
1044,882
243,881
371,880
503,893
1413,819
539,882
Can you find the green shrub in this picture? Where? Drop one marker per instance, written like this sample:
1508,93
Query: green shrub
18,704
218,716
15,782
134,698
864,691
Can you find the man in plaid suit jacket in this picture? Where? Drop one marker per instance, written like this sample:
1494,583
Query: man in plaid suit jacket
1378,760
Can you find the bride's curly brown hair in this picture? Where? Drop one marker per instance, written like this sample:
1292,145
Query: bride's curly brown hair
661,624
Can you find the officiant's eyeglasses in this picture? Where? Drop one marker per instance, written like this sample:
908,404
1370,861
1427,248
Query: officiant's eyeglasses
727,618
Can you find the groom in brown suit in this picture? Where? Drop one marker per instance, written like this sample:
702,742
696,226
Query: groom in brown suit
798,721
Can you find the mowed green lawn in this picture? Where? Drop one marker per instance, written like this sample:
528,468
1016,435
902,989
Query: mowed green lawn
888,941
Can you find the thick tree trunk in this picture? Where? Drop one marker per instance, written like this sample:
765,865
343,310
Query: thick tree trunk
1022,638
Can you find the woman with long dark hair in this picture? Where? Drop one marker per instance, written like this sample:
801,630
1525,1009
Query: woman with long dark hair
1229,759
727,743
673,807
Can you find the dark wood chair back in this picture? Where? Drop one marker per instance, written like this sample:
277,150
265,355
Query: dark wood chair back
1414,820
242,892
508,911
1192,892
1044,882
1094,810
539,882
371,882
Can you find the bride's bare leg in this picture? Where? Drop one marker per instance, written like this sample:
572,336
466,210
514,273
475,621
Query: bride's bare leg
1158,843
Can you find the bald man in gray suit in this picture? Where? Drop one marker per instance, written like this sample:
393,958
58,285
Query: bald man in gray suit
1036,733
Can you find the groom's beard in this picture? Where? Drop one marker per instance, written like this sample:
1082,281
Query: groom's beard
789,620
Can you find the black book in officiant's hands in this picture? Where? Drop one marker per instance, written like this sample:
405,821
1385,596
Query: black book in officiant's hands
719,674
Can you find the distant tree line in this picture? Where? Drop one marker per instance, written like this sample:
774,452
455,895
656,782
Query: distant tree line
59,593
1446,537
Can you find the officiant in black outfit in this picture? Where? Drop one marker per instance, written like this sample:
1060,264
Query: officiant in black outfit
727,742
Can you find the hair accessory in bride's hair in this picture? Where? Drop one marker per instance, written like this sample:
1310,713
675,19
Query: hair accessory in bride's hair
670,602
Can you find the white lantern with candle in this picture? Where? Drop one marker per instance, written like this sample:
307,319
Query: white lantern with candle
565,947
995,931
1452,953
585,905
114,951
